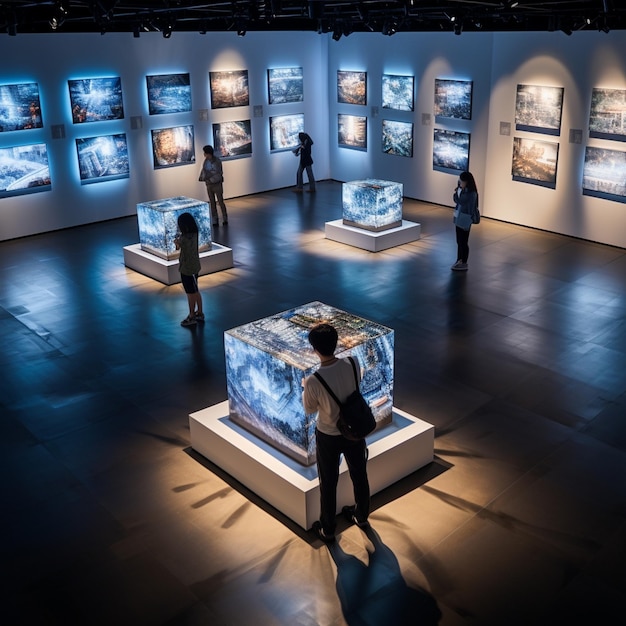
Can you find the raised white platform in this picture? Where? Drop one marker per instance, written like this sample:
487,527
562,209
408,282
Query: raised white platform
373,241
214,260
395,451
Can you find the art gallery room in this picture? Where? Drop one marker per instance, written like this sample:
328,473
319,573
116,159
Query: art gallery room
157,474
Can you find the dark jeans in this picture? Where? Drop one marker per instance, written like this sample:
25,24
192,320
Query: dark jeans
329,450
462,238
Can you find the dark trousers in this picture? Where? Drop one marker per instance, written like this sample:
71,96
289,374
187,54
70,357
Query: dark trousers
329,450
462,238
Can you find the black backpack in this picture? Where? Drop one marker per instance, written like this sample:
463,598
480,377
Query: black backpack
356,419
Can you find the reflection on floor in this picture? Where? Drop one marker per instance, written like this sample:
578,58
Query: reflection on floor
520,363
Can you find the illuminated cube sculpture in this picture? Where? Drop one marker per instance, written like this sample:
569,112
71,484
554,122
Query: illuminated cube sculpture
372,204
267,360
158,224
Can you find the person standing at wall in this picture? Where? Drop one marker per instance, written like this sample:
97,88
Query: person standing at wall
212,175
306,163
466,200
189,266
330,443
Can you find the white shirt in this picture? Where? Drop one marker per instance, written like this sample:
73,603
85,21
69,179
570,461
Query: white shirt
339,376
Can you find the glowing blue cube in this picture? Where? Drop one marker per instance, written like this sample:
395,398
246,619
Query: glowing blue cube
158,224
267,360
372,204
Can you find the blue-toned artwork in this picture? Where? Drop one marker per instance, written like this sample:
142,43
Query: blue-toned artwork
158,224
397,92
24,169
453,98
372,204
450,150
267,360
96,99
102,158
604,174
20,108
168,93
285,85
397,138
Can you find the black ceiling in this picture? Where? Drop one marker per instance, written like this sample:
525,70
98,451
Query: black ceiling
338,17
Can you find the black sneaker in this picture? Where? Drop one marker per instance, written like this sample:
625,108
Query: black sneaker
188,321
319,531
199,317
348,513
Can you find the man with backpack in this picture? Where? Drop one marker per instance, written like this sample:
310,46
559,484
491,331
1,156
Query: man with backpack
339,375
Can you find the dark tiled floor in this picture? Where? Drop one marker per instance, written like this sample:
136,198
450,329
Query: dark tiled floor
520,364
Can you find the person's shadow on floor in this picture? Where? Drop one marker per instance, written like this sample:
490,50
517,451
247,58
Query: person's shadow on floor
375,593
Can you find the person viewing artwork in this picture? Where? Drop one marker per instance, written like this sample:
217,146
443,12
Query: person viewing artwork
213,176
466,200
189,266
306,163
330,443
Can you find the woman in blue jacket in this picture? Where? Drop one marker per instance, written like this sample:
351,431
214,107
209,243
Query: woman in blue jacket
466,201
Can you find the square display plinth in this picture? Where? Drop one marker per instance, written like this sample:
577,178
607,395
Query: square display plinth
267,360
372,204
374,242
397,450
216,259
158,224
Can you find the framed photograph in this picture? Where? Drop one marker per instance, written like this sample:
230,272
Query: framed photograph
173,146
96,99
398,92
24,169
538,109
535,161
20,108
604,174
284,131
397,138
351,87
352,131
102,158
232,140
453,98
607,118
285,85
450,150
229,89
168,93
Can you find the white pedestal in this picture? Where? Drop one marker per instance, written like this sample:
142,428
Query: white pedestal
214,260
373,241
399,449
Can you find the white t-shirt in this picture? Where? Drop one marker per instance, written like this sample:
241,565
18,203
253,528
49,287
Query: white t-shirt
339,376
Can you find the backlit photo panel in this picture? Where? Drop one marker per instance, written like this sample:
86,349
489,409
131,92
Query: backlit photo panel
397,92
451,150
24,169
535,161
102,158
352,131
173,146
168,93
232,140
351,87
20,108
285,85
229,89
453,98
397,138
607,118
284,131
96,99
538,109
604,173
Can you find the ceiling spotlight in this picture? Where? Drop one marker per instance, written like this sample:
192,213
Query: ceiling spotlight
58,16
136,31
167,31
458,28
390,27
337,31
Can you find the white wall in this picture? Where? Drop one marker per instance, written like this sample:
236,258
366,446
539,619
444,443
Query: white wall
495,62
577,63
50,60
